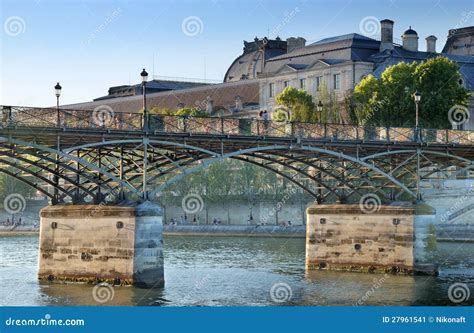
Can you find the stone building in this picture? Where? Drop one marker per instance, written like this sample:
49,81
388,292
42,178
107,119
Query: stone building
239,98
153,86
337,63
254,58
267,66
341,62
460,42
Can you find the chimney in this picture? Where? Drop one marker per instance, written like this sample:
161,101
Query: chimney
410,40
238,103
431,44
386,42
209,105
293,43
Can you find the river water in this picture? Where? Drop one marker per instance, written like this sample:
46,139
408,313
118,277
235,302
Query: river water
220,271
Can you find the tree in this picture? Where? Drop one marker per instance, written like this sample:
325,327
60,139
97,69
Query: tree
388,101
439,80
364,98
331,108
299,103
164,111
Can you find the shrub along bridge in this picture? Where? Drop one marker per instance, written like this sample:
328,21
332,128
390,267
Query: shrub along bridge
94,164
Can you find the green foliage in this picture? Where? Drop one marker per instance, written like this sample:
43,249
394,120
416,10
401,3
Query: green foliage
232,181
331,109
192,112
10,185
164,111
438,81
388,101
365,95
300,104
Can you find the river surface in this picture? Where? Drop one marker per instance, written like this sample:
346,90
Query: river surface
221,271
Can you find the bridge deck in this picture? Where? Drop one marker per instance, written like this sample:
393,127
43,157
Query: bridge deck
96,151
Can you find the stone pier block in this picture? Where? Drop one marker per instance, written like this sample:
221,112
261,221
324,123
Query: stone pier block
119,244
388,239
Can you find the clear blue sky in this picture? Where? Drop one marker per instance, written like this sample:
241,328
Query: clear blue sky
91,45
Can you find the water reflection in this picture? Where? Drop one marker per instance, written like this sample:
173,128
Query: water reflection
215,271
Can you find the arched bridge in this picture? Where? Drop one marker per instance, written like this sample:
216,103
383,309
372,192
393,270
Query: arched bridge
101,156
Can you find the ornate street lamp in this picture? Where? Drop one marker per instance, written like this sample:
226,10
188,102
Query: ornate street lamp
144,76
417,98
319,108
57,90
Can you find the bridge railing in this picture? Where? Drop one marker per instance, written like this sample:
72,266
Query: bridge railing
104,117
17,116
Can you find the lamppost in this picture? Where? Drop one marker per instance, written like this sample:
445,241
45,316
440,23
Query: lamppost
57,89
144,76
319,108
319,199
417,98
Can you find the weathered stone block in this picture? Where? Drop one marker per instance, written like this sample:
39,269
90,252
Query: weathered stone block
343,237
96,243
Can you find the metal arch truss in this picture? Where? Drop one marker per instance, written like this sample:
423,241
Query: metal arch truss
100,167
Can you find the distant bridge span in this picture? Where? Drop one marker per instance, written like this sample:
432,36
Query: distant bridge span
96,156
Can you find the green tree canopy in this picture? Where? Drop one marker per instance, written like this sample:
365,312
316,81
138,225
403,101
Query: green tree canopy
388,101
299,103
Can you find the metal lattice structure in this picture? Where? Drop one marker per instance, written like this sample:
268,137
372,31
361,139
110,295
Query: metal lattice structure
101,156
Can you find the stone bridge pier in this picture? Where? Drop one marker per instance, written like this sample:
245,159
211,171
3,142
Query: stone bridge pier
118,244
377,238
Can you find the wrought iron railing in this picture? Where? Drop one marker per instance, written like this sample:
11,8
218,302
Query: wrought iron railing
105,118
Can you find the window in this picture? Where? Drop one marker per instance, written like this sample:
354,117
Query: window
286,83
337,81
319,82
303,83
271,88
